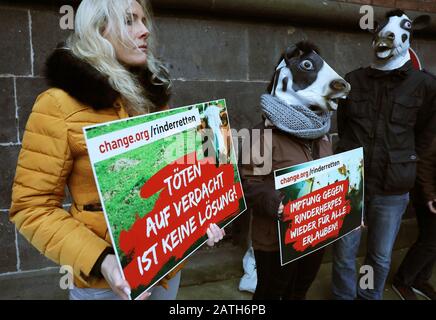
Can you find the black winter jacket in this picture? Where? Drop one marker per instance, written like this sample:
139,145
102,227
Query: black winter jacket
392,115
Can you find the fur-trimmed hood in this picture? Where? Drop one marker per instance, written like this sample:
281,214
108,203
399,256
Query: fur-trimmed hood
83,82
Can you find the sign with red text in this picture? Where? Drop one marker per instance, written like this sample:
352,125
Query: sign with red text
323,201
163,178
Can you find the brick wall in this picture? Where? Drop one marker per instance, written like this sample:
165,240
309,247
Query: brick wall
417,5
209,57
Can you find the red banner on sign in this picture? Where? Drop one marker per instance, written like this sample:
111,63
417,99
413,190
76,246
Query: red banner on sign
317,216
193,194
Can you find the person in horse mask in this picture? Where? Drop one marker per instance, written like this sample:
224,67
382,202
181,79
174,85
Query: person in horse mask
390,112
296,121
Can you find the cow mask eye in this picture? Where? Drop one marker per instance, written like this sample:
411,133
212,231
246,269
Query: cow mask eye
307,65
407,25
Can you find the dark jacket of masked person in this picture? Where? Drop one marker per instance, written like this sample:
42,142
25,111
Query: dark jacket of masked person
391,114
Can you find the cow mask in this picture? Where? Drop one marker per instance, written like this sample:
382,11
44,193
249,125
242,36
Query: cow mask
302,77
391,40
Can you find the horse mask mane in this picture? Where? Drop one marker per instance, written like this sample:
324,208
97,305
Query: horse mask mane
391,41
303,78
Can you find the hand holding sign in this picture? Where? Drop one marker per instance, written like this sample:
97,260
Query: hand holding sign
214,234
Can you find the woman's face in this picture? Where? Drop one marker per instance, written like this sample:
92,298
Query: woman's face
132,54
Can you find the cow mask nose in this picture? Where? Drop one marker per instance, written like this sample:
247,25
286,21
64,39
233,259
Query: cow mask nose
338,85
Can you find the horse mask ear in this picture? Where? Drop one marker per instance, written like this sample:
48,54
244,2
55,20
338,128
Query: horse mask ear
421,22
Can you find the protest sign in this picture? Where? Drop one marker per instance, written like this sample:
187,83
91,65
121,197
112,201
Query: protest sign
323,201
163,178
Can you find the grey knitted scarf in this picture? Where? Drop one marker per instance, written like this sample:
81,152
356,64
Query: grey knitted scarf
296,120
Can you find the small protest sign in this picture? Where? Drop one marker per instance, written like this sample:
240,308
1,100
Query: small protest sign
323,201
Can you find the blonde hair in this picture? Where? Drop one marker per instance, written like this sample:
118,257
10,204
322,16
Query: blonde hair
88,44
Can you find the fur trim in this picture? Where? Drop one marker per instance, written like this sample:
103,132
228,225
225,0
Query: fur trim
79,79
82,81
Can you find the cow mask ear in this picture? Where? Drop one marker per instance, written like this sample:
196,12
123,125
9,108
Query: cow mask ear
291,52
421,22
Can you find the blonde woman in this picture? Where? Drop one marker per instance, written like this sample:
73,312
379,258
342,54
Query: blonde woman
105,71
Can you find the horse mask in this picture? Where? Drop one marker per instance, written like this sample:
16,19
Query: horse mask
391,40
303,78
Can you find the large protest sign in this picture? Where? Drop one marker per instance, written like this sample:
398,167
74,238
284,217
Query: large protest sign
323,201
163,178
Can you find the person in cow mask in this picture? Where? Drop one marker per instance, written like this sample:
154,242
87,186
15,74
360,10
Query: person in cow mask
391,113
296,120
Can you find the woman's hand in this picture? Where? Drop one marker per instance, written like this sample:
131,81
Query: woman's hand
214,234
111,272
